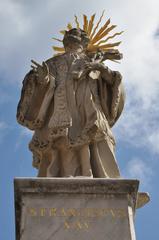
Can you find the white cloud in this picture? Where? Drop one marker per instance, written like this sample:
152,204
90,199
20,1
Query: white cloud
3,126
26,31
139,169
139,123
3,130
153,140
4,97
139,126
24,133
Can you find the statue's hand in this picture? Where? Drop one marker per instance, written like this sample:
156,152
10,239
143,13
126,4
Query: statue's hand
87,68
92,66
41,71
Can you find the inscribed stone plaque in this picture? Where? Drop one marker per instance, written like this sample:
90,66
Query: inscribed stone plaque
77,210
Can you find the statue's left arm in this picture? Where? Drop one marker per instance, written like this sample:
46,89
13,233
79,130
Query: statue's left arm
113,80
111,91
111,77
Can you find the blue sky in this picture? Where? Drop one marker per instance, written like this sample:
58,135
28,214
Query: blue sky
26,31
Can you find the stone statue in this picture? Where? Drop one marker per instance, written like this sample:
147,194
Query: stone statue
71,102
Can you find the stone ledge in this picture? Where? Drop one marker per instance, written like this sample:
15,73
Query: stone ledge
76,185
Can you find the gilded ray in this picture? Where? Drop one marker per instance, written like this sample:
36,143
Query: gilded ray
63,32
93,48
56,39
103,47
90,26
114,35
101,30
97,36
58,54
107,31
111,50
103,34
85,24
77,22
97,25
58,49
113,60
109,45
69,26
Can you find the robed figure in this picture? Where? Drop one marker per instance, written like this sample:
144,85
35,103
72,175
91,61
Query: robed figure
71,102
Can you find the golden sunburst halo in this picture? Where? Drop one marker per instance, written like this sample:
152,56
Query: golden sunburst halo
98,36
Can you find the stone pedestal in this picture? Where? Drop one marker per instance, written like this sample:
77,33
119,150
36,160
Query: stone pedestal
75,209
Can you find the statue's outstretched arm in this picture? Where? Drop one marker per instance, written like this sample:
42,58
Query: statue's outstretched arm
36,95
41,72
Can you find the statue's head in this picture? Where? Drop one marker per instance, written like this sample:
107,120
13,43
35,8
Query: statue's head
75,38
